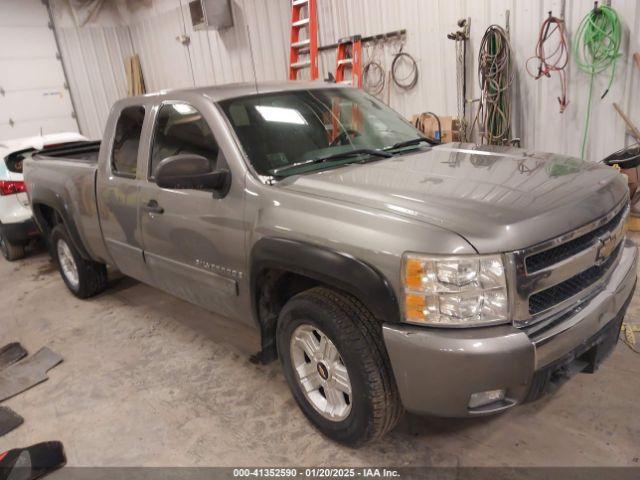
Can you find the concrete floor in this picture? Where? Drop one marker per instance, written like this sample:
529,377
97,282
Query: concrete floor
149,380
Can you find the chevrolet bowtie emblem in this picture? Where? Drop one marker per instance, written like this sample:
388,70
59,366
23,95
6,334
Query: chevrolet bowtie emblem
607,243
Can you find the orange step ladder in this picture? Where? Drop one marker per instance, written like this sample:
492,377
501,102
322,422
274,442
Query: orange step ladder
349,59
304,49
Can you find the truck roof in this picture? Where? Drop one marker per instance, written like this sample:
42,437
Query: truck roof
234,90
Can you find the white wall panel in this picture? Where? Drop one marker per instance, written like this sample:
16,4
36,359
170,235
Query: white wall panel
33,97
215,57
94,58
165,61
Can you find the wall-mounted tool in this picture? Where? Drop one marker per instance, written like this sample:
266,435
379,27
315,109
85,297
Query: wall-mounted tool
461,37
552,54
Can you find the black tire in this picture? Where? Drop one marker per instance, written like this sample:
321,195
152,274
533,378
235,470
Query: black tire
92,276
10,251
357,335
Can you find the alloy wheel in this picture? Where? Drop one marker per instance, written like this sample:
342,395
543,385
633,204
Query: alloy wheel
321,372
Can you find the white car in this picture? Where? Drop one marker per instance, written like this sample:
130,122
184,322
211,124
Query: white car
17,228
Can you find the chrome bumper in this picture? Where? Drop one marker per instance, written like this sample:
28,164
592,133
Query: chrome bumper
437,370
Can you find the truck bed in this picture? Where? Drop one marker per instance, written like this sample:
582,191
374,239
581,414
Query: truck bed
78,151
64,178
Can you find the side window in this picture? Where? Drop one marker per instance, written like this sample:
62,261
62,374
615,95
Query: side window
124,157
180,129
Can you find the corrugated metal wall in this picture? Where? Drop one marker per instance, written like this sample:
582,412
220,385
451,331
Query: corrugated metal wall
261,28
94,59
213,57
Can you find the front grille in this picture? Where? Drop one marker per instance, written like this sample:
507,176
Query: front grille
541,301
555,255
551,277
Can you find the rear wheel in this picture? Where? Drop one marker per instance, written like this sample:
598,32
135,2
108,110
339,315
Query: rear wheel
85,278
337,367
10,251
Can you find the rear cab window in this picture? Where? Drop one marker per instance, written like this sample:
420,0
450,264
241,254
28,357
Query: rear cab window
124,155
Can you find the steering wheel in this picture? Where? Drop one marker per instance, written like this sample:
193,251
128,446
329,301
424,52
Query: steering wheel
344,137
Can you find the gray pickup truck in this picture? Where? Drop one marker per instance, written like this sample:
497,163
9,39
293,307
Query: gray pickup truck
386,273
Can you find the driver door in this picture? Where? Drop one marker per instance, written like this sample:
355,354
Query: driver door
193,241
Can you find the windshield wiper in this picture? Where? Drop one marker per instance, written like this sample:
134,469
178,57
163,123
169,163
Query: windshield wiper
336,156
413,141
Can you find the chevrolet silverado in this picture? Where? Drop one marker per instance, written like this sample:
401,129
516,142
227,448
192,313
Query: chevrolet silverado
386,273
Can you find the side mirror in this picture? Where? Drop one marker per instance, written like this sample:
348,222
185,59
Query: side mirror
189,171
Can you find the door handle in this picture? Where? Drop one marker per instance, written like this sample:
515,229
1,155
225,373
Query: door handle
152,207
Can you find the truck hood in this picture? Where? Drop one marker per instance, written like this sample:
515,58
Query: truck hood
498,198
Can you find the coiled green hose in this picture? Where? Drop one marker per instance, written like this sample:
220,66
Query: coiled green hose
596,48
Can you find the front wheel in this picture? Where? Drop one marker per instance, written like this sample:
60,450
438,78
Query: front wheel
336,365
84,278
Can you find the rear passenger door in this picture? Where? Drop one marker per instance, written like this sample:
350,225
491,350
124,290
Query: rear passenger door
119,192
193,239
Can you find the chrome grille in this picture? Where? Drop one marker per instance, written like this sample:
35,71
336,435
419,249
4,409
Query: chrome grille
541,301
551,277
554,255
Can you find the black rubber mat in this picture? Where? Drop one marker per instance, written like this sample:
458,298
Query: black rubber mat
32,462
27,373
10,354
9,420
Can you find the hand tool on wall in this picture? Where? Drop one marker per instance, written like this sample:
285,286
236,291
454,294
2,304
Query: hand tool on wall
461,37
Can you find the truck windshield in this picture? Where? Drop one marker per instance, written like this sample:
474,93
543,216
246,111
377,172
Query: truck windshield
288,133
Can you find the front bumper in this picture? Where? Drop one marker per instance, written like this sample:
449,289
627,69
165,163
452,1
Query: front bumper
20,232
437,370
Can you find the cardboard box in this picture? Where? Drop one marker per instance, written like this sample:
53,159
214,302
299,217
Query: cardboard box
428,125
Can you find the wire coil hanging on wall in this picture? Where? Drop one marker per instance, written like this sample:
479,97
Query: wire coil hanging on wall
552,59
373,72
495,73
410,80
596,48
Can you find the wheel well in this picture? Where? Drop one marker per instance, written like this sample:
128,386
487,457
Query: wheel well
275,288
281,268
47,217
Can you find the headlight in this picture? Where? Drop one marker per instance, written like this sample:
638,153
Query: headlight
459,291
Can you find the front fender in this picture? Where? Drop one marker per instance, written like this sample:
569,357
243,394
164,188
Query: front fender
330,267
